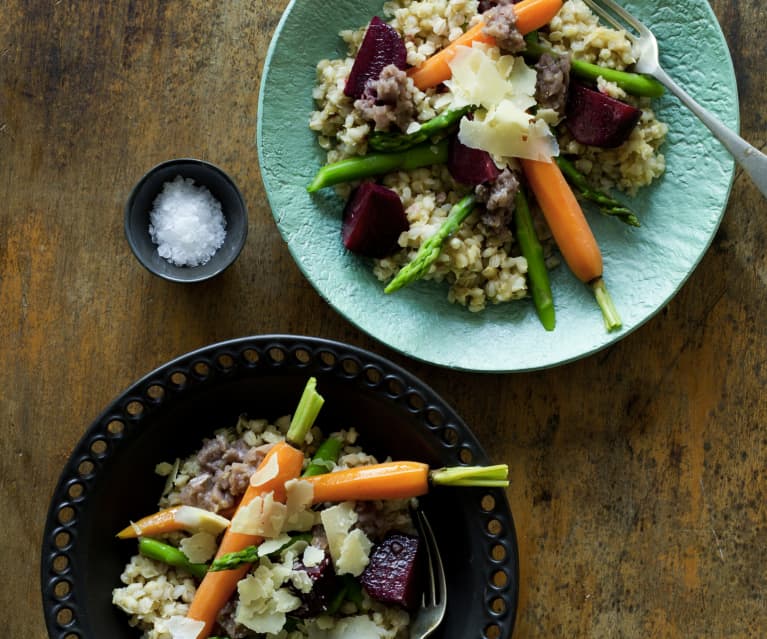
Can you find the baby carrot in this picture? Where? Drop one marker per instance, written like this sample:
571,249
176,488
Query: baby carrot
173,519
399,480
531,15
571,231
217,587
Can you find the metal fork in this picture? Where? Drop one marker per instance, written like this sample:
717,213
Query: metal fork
753,161
434,601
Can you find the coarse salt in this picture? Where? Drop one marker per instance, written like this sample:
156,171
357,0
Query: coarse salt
186,223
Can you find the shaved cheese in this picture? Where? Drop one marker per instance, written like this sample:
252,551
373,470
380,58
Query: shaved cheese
263,516
355,553
266,472
269,546
263,603
504,89
508,132
337,520
300,517
199,519
482,80
199,547
358,627
183,627
313,556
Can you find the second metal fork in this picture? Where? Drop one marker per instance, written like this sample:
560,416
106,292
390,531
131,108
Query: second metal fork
753,161
434,602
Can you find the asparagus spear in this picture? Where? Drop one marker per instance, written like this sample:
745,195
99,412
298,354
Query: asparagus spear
170,555
249,554
358,167
325,457
607,204
431,248
632,83
385,141
537,273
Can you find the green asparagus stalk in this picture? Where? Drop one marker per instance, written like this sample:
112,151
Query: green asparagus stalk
632,83
170,555
249,554
325,457
386,141
607,205
537,273
308,408
359,167
431,248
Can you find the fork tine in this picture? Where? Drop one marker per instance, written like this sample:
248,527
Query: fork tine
606,16
437,584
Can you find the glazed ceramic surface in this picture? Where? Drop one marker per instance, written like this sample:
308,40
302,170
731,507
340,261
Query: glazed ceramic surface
109,479
643,267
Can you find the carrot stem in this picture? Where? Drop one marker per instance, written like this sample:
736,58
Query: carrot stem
609,312
308,408
531,15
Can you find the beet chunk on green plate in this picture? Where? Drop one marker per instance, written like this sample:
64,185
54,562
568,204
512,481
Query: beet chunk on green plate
393,574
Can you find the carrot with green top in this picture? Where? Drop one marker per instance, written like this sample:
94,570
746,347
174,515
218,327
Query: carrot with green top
282,463
400,480
571,231
531,15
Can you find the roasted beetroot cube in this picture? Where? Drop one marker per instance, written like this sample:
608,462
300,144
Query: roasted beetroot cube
373,220
393,574
380,47
324,587
468,165
596,119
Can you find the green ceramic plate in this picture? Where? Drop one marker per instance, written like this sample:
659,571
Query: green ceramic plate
643,267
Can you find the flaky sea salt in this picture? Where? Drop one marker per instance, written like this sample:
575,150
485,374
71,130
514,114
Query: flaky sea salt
186,223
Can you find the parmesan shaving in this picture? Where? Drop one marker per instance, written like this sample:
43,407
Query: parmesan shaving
503,87
263,516
199,519
266,472
199,547
183,627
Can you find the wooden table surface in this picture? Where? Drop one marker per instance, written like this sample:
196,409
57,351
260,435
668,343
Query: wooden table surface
638,474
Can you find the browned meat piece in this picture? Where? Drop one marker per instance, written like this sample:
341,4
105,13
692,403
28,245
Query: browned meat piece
225,470
553,78
387,100
498,198
501,24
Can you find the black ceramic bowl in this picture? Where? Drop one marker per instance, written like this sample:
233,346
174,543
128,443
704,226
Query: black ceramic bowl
139,206
110,480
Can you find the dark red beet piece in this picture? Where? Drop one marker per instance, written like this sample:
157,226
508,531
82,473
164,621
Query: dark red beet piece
324,587
470,166
393,574
380,47
373,220
596,119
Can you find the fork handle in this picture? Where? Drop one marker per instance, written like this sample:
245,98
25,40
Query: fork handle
753,161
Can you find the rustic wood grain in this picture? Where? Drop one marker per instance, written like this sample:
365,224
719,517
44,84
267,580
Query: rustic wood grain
638,474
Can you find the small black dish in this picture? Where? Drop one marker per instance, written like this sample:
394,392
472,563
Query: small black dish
140,203
110,480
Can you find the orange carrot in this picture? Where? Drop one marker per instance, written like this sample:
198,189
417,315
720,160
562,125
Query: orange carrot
571,231
217,587
400,480
390,480
173,519
531,15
